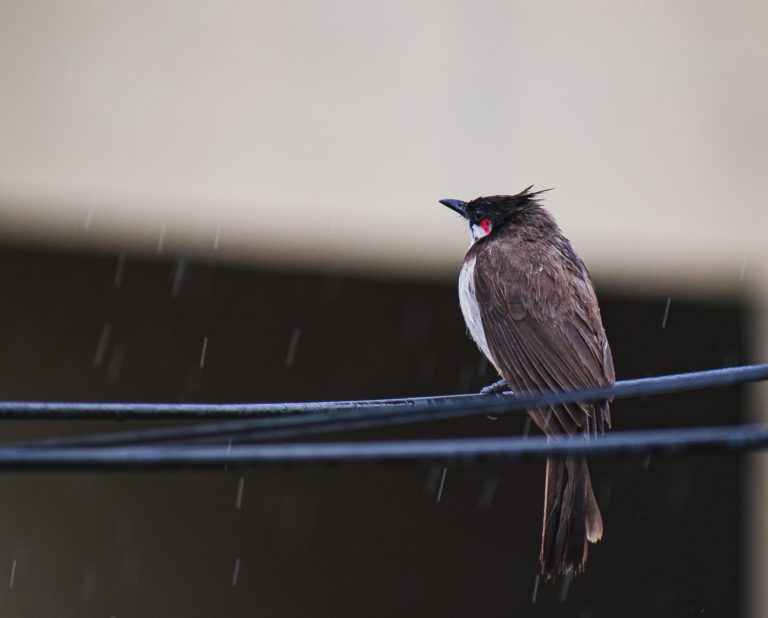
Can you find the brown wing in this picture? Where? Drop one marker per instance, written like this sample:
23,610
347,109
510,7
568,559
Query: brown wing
542,325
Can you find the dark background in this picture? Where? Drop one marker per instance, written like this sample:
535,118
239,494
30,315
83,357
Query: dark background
344,541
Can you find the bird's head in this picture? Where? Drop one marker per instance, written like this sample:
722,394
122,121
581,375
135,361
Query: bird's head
485,214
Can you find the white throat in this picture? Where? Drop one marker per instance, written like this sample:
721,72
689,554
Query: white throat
477,232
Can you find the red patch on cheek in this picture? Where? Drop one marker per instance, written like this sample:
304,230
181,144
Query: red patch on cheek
486,225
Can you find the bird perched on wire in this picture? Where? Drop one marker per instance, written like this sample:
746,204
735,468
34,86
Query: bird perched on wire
530,306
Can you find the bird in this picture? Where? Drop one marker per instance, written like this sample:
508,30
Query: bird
530,306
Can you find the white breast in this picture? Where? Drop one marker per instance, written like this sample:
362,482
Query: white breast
470,308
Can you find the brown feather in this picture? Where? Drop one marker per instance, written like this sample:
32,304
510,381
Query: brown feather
542,324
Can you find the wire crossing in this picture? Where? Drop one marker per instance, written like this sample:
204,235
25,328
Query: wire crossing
291,421
159,448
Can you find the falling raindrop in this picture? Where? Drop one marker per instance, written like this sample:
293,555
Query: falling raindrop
178,276
292,345
239,499
487,492
229,452
13,574
442,485
236,573
535,588
88,218
101,348
117,281
666,312
744,261
161,238
203,351
216,238
647,461
527,426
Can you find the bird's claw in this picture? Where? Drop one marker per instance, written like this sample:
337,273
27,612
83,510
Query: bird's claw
495,389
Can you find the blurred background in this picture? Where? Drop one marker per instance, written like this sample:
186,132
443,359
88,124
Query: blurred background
237,201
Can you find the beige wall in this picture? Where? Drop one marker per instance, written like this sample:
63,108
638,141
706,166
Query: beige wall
323,133
332,128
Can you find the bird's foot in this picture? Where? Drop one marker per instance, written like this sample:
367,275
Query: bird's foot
495,388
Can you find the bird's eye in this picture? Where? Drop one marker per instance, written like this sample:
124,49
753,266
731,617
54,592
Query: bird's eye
478,215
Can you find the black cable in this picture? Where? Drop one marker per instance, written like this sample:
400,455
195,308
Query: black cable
94,411
327,417
28,410
460,451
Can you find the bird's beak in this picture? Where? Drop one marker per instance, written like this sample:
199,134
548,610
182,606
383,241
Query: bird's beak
457,205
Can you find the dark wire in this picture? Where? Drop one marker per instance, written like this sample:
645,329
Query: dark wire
94,411
327,417
460,451
56,410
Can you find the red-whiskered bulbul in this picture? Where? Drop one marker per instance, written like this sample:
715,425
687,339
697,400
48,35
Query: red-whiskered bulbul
530,306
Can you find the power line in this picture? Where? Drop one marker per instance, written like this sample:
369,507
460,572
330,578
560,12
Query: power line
53,410
679,382
457,451
95,411
329,417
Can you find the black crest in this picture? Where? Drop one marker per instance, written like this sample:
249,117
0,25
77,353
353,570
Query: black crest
500,208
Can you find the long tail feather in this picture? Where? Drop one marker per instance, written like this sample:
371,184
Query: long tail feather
571,518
